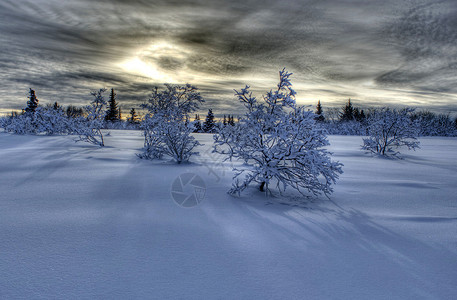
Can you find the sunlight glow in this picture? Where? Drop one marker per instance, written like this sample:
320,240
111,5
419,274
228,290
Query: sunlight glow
137,66
146,62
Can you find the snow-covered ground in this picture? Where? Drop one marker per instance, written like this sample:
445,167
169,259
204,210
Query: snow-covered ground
78,221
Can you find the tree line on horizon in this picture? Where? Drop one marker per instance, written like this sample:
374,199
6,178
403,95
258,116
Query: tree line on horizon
113,115
348,120
280,142
352,120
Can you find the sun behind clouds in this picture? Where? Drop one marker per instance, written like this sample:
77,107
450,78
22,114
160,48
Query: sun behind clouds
160,61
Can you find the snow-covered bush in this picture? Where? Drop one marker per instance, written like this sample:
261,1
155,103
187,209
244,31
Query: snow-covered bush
118,125
3,122
51,120
390,128
44,120
167,130
37,119
344,127
279,144
89,127
20,124
23,123
431,124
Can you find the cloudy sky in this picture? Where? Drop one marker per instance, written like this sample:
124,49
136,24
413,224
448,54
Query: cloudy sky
390,52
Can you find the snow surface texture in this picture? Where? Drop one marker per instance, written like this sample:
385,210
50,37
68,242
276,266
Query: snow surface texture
80,221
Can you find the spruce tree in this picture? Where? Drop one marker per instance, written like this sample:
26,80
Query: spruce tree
359,114
197,124
225,120
231,121
74,111
208,125
356,114
32,103
362,115
112,113
319,112
133,116
348,112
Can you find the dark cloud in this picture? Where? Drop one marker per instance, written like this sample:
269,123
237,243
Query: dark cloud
400,77
170,63
374,51
426,38
215,65
426,31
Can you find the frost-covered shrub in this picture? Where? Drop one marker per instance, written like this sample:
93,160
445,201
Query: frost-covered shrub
44,120
118,125
167,130
344,127
89,127
20,124
51,121
3,122
37,119
279,143
390,129
131,125
431,124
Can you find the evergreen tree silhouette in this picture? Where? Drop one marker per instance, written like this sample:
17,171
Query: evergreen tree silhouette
197,124
133,116
348,112
112,113
231,120
362,115
32,103
74,112
319,112
208,125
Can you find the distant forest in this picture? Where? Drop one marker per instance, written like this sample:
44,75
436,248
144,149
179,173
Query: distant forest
346,120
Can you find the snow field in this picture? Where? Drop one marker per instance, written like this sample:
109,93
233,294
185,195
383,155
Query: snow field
79,221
